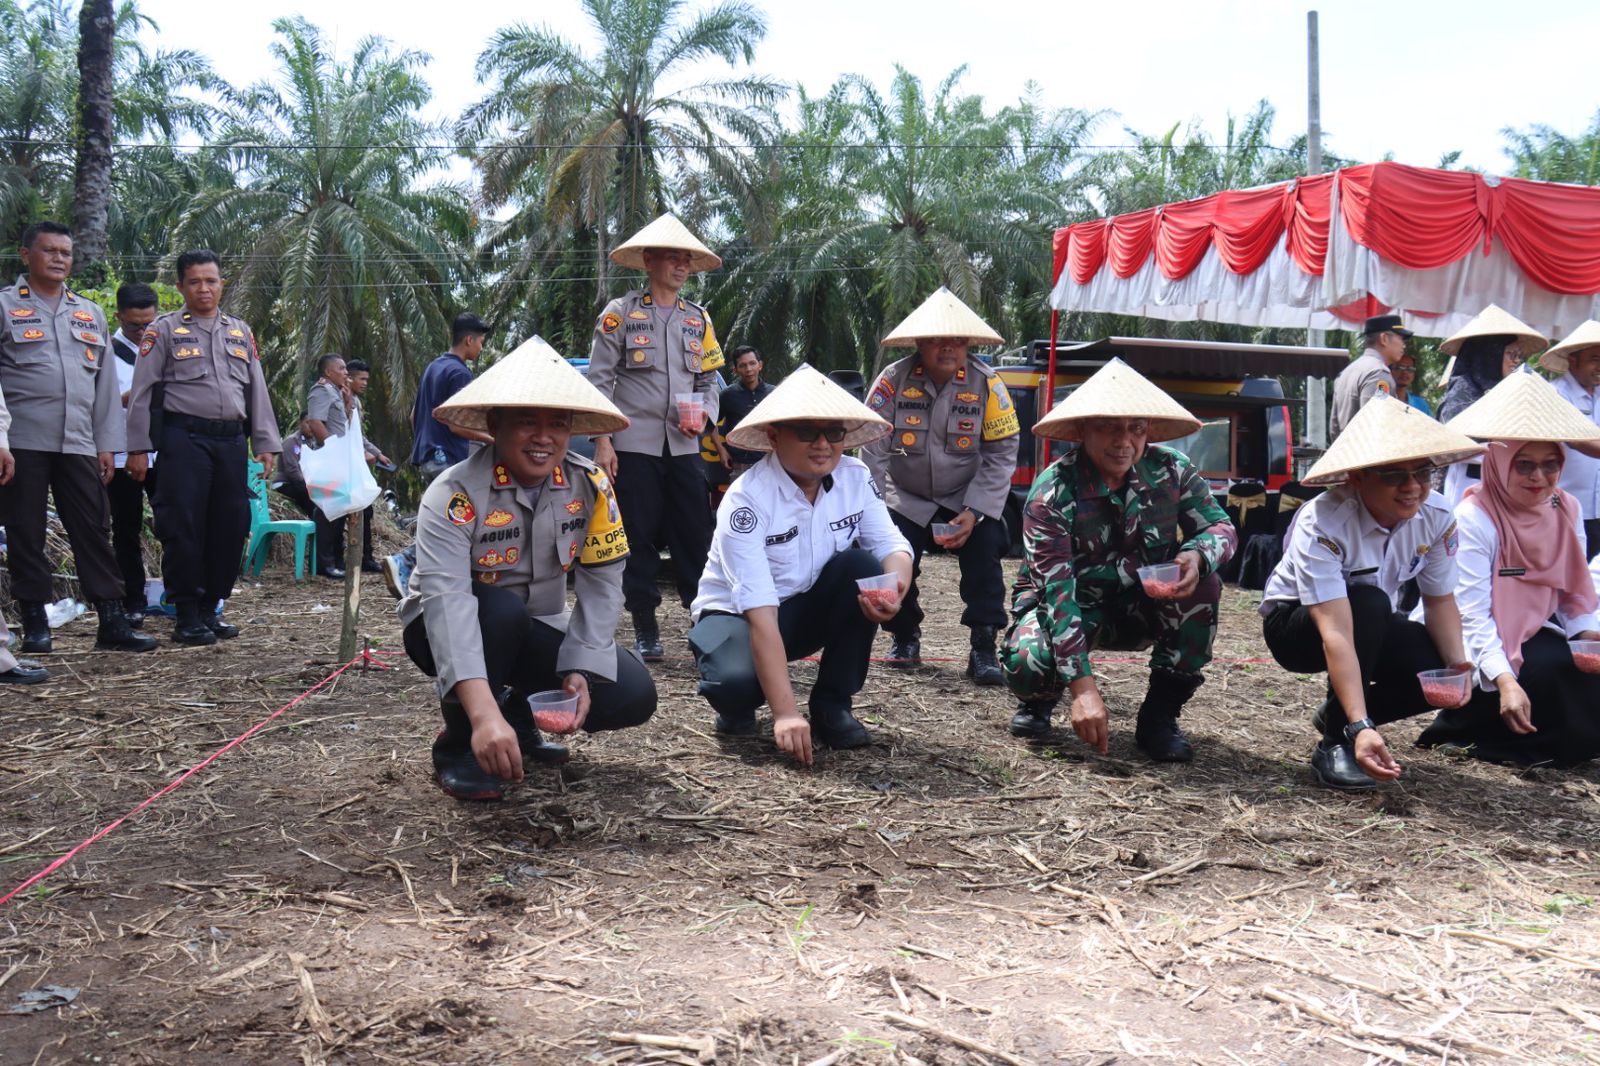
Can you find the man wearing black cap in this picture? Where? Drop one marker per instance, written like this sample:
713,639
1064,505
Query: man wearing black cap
1368,375
437,445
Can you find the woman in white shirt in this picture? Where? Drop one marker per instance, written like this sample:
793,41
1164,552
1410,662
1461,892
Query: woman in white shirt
1525,588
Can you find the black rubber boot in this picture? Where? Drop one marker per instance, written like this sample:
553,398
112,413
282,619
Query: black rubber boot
906,652
1157,733
35,628
1032,719
460,775
190,629
838,728
982,666
213,621
115,634
647,637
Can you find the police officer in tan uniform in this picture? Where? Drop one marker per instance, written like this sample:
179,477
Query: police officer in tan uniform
949,460
198,390
68,424
650,346
497,536
1368,374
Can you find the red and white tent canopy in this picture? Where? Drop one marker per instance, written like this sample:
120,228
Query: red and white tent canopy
1324,252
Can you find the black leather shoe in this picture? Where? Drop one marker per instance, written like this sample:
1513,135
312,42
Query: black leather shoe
26,672
115,634
190,629
839,729
370,566
332,573
729,725
1335,765
1161,739
647,637
461,777
982,666
906,651
1032,719
35,628
223,630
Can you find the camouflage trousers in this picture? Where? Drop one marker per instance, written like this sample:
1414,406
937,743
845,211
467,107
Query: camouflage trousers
1182,631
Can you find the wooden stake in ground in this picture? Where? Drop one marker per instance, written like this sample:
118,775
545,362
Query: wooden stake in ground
349,641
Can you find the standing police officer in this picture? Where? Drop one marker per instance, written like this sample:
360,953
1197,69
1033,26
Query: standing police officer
949,460
197,391
650,346
67,425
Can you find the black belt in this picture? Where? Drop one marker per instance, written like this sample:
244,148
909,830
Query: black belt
206,427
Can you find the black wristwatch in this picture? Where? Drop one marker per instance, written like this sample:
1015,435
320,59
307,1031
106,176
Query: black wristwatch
1354,729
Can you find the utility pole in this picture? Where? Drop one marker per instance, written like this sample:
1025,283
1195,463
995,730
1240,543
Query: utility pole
1316,390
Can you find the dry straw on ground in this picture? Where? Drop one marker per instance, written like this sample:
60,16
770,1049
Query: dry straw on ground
949,895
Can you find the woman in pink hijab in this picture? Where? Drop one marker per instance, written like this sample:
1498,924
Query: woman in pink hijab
1525,590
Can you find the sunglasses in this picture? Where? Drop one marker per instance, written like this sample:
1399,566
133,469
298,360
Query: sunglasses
1422,475
809,434
1550,468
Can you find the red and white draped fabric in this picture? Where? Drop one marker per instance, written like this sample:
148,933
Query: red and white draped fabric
1324,252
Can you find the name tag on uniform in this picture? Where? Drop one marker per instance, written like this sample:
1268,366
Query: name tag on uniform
1368,572
784,538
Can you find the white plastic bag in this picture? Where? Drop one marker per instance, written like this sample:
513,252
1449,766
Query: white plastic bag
337,478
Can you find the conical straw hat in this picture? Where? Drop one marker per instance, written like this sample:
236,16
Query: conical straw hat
942,315
1117,390
1583,338
665,232
808,396
534,375
1388,431
1524,406
1493,322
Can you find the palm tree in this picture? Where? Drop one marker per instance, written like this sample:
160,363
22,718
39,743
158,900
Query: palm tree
91,198
37,84
336,235
1547,154
593,146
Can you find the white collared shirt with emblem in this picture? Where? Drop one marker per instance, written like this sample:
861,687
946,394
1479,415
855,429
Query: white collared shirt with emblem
771,542
1335,542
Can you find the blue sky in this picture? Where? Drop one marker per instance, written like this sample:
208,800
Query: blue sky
1413,78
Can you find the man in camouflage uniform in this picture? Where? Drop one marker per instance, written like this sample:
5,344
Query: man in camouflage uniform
650,346
1115,504
949,461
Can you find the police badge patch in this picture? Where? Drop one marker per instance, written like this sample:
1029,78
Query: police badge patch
743,520
459,510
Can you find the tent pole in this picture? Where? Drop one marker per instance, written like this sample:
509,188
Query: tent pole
1050,374
1316,423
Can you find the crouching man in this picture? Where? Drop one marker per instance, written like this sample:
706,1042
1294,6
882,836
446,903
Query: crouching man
1332,603
780,582
1117,503
486,612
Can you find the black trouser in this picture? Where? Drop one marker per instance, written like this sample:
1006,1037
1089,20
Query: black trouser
330,534
1565,706
664,502
983,588
202,512
521,652
1591,536
84,512
1390,647
826,617
127,530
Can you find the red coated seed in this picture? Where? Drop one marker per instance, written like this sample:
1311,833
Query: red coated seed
1587,661
880,597
555,721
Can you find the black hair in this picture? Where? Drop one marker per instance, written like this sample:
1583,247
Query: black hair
323,363
357,366
196,257
743,349
39,229
466,325
135,296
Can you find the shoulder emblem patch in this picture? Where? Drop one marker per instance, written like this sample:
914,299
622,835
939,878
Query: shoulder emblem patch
1383,387
609,322
882,393
459,510
496,519
1332,546
148,343
1452,539
743,520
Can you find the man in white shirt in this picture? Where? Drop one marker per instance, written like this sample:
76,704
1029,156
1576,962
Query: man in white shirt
1577,360
1332,603
780,582
136,309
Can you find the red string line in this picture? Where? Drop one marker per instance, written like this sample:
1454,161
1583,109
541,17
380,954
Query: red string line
365,657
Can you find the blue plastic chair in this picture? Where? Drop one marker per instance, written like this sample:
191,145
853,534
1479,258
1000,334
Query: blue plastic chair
263,526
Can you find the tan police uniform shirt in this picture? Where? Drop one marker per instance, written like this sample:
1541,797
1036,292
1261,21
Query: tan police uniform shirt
476,523
53,368
640,360
207,369
1366,376
326,405
953,445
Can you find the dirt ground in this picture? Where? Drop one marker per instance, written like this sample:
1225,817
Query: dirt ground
948,895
